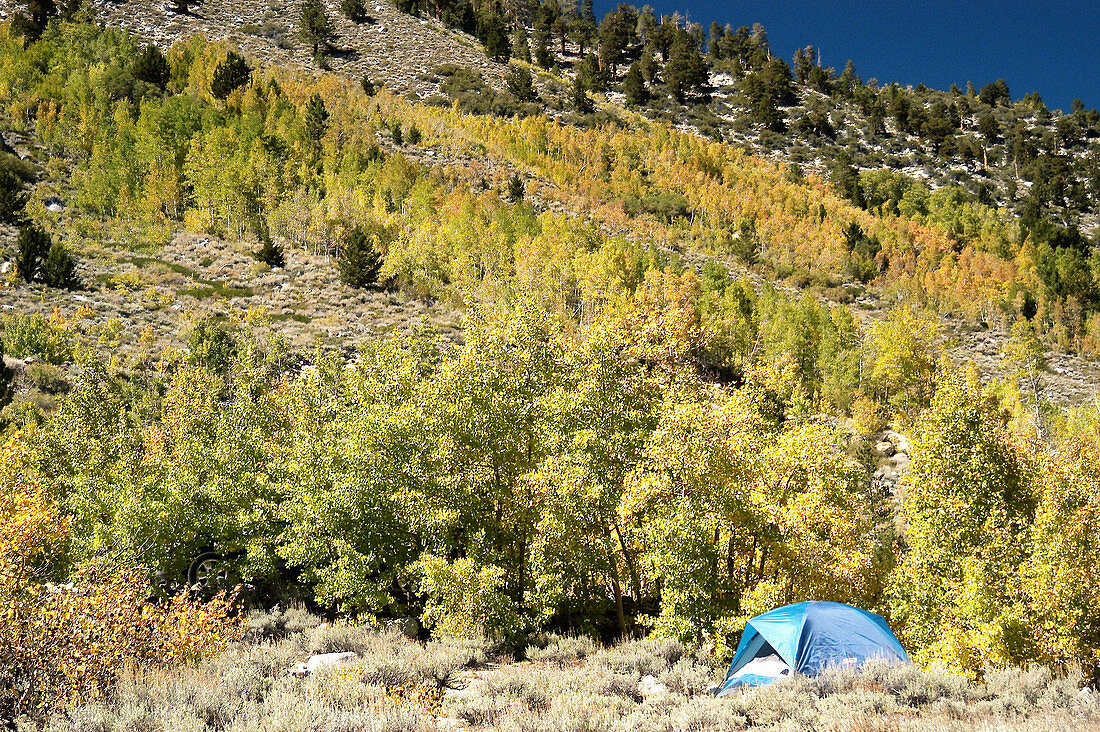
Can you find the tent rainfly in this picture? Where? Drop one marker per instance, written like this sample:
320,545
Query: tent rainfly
806,638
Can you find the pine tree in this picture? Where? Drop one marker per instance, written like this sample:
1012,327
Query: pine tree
581,101
359,262
32,246
316,119
521,49
315,27
685,72
230,73
592,76
12,198
59,268
634,86
368,86
493,34
521,83
269,252
7,379
516,188
152,67
32,23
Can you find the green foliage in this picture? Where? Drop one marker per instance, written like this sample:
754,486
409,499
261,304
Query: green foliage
212,344
314,26
368,86
13,199
465,600
316,119
969,501
269,252
59,268
516,188
360,261
231,73
521,84
32,247
634,86
590,75
582,103
33,334
903,358
33,23
151,67
7,379
492,31
685,72
765,90
354,10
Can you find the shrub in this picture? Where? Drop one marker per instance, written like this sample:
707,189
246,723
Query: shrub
464,599
32,246
354,10
59,268
368,86
47,378
562,650
32,334
68,644
414,135
279,623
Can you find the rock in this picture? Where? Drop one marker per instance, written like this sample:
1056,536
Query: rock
5,267
650,687
322,660
408,626
885,448
54,204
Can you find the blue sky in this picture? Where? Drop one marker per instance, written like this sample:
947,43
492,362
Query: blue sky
1049,47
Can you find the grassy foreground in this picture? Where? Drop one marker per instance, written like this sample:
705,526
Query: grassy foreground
565,684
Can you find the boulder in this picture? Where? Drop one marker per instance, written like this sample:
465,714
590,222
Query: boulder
321,660
650,687
407,626
885,448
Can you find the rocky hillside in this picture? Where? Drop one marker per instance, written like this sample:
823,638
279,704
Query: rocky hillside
392,48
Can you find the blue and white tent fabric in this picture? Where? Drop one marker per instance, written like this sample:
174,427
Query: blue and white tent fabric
806,638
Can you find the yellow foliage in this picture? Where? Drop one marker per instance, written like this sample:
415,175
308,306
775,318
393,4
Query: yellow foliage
66,644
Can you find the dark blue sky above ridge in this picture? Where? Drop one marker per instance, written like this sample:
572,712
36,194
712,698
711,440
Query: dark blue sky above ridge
1049,47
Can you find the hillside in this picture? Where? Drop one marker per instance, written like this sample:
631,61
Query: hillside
489,347
299,308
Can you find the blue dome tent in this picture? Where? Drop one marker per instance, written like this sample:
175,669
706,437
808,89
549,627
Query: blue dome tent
806,638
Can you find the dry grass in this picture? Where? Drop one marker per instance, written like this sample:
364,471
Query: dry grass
567,684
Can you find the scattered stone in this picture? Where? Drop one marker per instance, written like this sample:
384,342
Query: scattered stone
650,687
322,660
